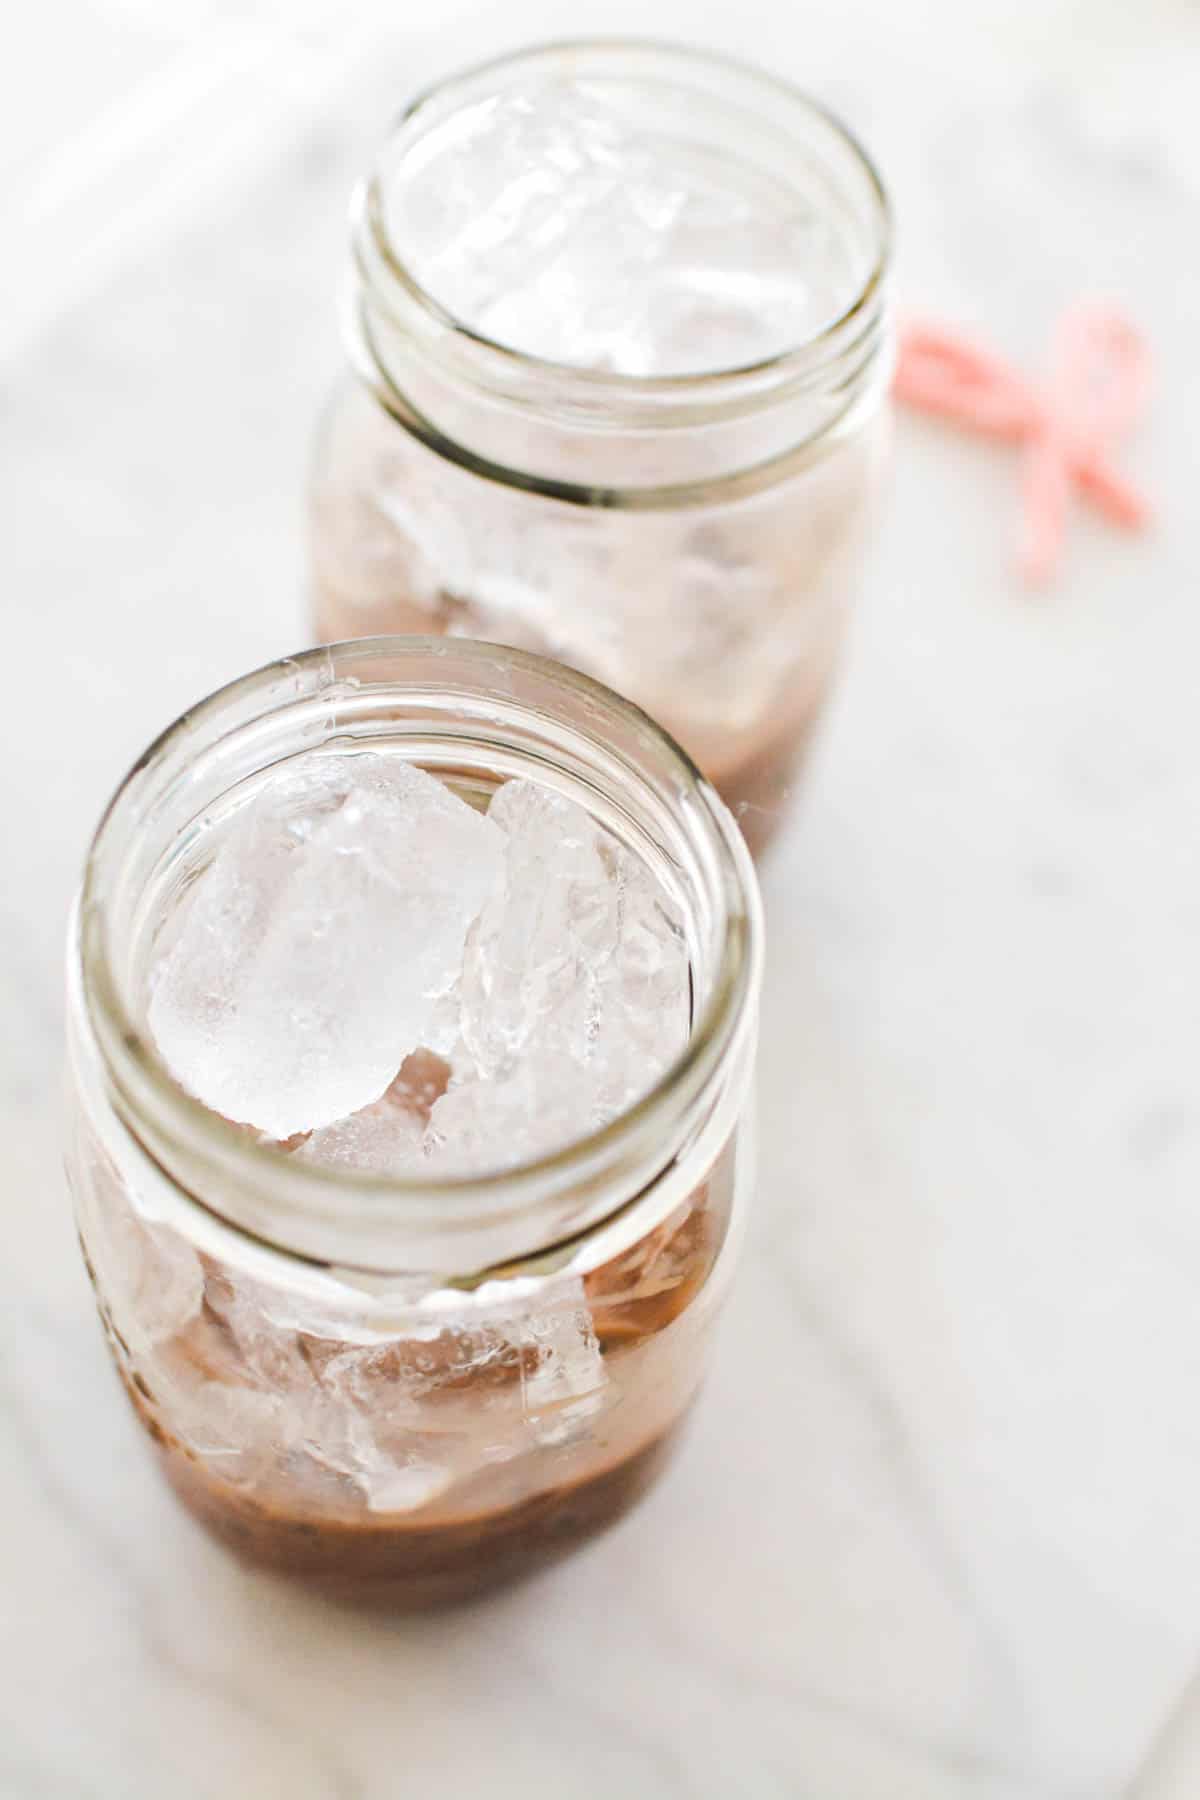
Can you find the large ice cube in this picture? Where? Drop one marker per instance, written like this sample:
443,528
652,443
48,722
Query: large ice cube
316,950
151,1276
147,1275
579,957
568,1384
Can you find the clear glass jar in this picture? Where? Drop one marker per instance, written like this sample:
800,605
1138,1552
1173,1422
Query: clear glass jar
402,1391
691,539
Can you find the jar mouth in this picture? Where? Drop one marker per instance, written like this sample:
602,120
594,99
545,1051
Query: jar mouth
366,688
712,393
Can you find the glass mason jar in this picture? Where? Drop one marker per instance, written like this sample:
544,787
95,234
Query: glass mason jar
693,540
401,1391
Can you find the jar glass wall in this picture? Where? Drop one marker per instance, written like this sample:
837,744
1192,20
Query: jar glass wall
403,1391
691,538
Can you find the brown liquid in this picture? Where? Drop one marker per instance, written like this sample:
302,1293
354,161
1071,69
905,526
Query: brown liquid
376,1562
297,1516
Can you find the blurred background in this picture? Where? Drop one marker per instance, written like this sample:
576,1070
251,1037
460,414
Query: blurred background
934,1533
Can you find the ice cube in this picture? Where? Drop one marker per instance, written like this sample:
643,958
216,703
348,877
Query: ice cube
151,1275
381,1139
578,957
147,1275
240,1430
646,990
539,1106
532,957
390,1427
316,949
568,1383
387,1137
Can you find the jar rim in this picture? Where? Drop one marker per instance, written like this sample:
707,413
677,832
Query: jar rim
299,1208
659,400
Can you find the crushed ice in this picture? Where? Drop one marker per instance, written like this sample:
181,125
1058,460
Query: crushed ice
554,220
408,985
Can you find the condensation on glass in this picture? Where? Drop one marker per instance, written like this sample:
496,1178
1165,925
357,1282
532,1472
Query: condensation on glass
620,349
401,1392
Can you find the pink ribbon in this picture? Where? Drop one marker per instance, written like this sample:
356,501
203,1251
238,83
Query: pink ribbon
1095,389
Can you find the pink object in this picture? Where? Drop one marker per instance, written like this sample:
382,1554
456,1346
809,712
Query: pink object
1070,426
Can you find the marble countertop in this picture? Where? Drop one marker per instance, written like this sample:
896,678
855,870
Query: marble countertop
936,1532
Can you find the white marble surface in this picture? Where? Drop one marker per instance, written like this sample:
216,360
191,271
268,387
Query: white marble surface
937,1530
